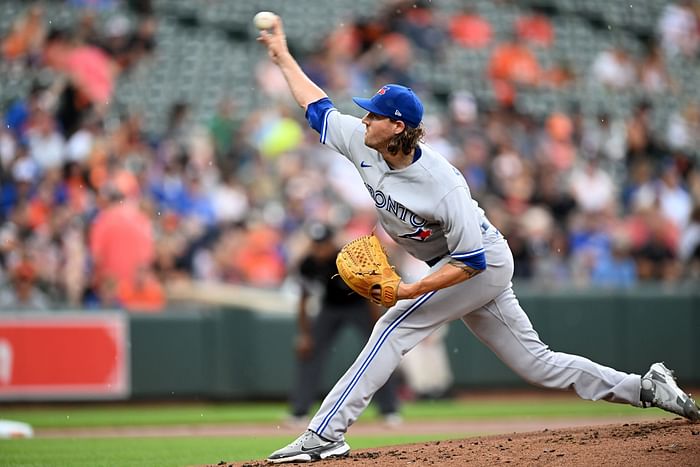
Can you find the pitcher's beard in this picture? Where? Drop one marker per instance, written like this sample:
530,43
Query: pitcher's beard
375,145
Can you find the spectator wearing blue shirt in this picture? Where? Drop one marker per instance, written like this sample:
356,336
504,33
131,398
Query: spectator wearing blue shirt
616,269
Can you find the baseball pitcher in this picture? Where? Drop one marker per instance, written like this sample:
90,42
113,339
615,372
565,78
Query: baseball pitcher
425,205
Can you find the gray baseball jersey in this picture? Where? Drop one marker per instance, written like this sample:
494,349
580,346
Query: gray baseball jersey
427,208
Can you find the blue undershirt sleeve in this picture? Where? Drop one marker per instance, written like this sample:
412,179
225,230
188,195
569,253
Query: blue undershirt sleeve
474,259
316,113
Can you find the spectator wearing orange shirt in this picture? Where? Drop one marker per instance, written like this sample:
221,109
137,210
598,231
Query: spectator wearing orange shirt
468,29
535,29
144,294
514,62
26,36
259,260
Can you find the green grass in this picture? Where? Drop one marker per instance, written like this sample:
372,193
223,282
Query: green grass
64,416
162,452
140,415
185,451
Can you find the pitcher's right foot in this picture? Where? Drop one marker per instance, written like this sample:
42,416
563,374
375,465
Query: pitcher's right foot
659,389
309,447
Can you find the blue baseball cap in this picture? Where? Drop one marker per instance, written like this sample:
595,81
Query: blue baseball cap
396,102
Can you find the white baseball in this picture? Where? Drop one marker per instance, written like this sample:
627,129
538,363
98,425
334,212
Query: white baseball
264,19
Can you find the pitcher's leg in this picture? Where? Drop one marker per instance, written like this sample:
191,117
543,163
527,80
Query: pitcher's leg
386,396
377,361
504,327
397,332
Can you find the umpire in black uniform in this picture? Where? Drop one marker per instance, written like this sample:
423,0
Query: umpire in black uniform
339,307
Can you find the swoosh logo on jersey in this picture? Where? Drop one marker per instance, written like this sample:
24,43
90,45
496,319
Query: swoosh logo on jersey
364,164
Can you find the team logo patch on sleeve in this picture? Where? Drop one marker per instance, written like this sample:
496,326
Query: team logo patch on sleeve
421,234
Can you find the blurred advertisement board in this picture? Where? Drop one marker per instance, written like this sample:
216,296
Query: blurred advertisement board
64,356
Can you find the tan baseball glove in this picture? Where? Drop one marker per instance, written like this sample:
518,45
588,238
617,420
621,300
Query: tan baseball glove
364,266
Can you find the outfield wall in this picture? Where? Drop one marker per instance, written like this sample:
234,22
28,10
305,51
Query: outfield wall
235,352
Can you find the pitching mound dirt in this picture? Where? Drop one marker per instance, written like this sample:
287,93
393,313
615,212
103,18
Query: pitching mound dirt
663,443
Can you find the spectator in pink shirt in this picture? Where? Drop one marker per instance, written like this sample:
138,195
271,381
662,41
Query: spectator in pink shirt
121,240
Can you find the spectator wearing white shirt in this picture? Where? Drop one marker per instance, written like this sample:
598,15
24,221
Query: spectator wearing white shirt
80,144
613,68
230,201
674,200
46,144
591,187
678,29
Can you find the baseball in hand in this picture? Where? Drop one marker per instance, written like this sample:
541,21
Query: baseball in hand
264,20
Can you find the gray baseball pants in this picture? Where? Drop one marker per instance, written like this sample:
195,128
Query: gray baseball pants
489,308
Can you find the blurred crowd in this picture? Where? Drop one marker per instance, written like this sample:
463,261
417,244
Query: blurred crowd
98,212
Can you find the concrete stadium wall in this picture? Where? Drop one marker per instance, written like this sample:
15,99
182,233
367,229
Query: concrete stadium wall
229,353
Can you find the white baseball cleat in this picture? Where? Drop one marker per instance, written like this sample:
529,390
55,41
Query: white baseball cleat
659,389
309,447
